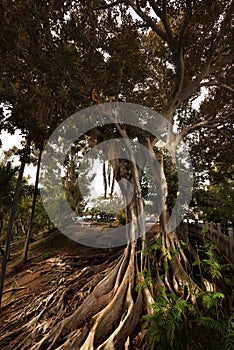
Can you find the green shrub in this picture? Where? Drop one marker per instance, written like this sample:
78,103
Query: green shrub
121,217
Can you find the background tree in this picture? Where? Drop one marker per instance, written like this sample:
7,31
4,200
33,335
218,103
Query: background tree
41,57
76,179
7,183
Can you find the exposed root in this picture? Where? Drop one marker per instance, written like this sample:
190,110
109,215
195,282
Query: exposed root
47,311
99,307
179,267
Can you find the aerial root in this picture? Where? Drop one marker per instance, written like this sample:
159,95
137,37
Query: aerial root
179,268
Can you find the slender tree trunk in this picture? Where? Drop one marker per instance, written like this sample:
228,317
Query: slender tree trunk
1,251
22,226
112,187
28,236
104,179
12,218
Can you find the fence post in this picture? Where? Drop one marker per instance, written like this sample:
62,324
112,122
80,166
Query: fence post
211,231
206,229
218,233
211,227
231,243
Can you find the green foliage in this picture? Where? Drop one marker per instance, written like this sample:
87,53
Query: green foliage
167,253
46,254
177,324
211,324
150,248
165,322
213,267
228,339
121,217
41,220
71,179
7,185
7,182
216,201
204,230
156,245
210,262
103,213
210,299
145,280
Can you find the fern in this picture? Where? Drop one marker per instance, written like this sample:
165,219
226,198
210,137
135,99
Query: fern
156,245
213,267
211,324
177,324
170,329
210,299
228,342
165,322
155,332
228,339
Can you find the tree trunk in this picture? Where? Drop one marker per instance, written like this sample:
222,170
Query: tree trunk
109,307
163,183
1,251
104,179
12,218
28,236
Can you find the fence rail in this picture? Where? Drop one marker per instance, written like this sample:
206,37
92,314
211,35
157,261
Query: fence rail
224,239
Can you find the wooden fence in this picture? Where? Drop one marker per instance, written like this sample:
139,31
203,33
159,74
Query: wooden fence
224,239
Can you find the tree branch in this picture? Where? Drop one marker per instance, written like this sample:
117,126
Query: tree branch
163,35
222,61
108,6
179,78
196,84
162,14
187,17
139,12
165,20
215,83
180,95
225,21
177,49
190,129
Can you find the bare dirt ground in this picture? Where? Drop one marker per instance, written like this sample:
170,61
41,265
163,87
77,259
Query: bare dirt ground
52,258
54,262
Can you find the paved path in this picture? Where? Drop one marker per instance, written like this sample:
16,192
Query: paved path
98,236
